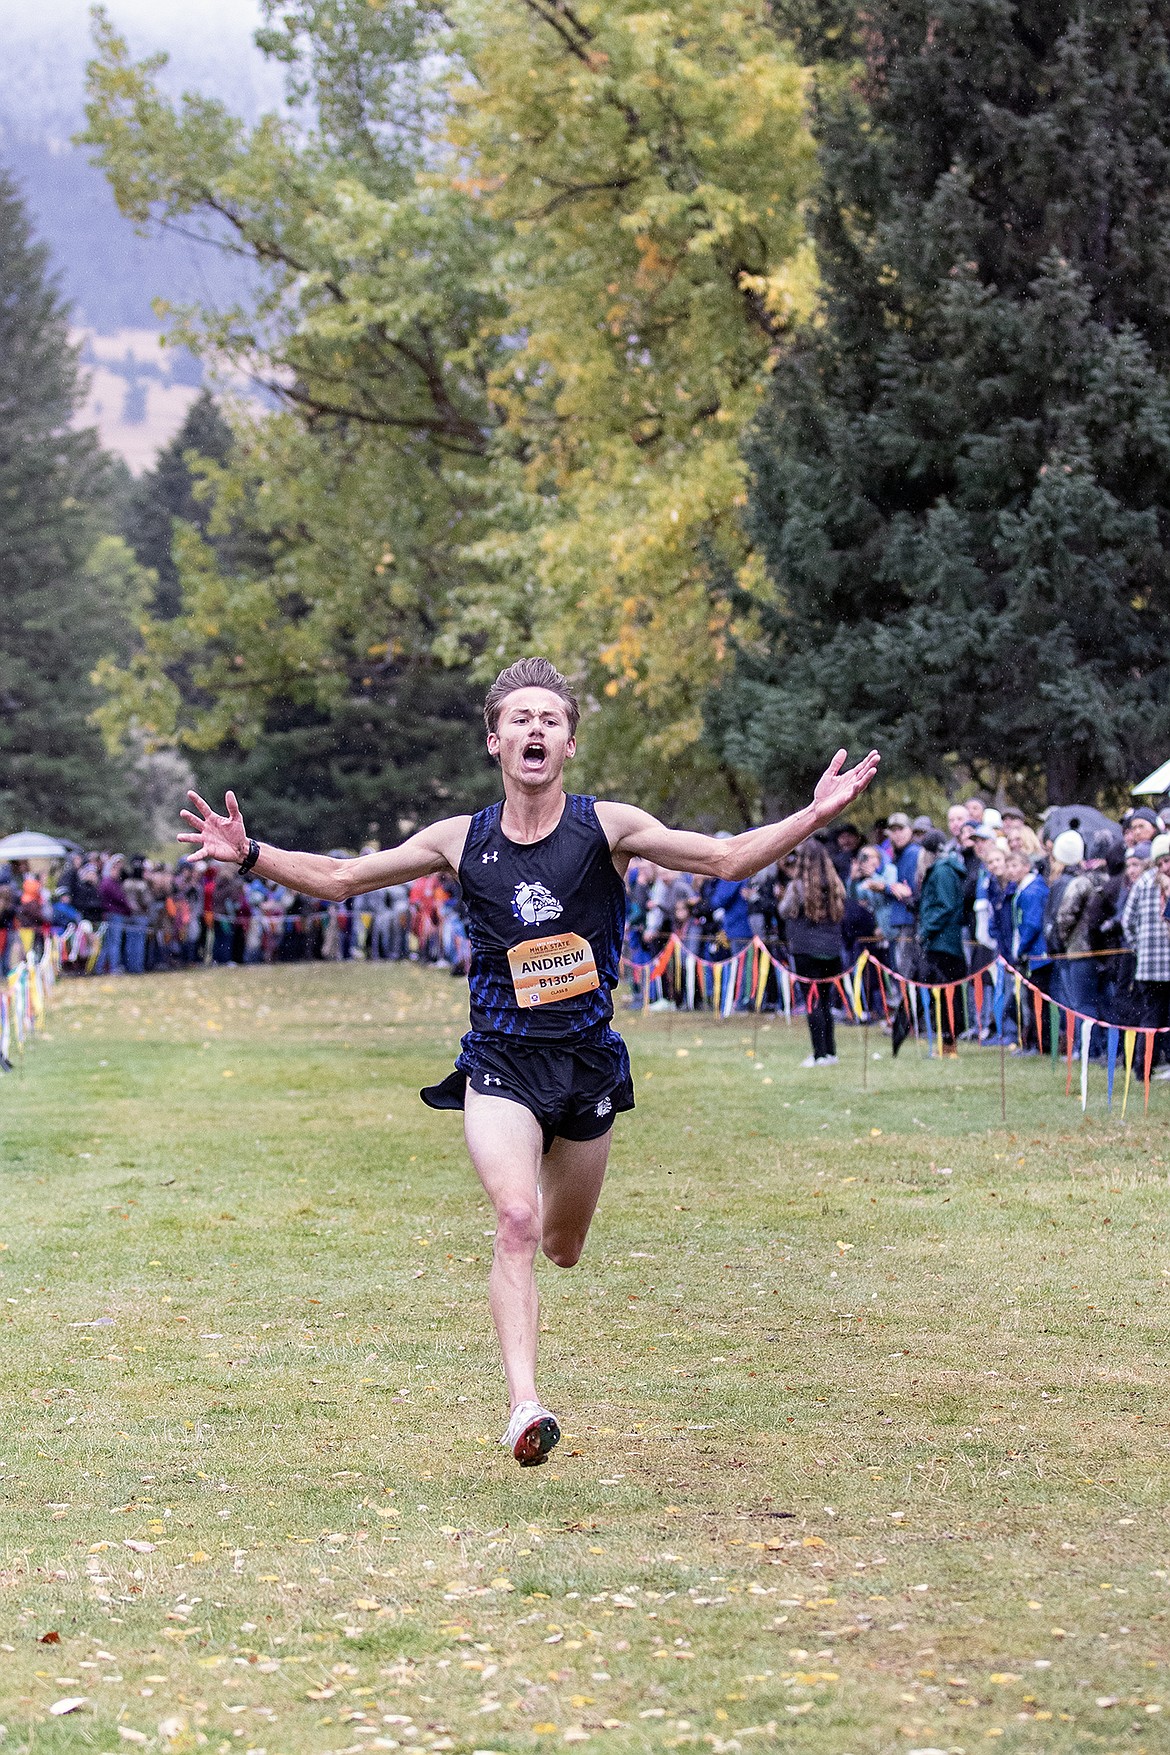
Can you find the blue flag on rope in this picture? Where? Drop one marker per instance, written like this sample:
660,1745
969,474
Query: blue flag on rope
1112,1038
999,1000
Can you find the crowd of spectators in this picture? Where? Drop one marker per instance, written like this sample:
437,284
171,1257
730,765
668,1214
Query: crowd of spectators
130,916
1082,916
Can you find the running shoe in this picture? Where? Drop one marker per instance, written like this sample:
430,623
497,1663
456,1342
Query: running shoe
532,1433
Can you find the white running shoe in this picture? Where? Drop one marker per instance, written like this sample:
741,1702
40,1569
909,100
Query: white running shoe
810,1060
532,1433
826,1060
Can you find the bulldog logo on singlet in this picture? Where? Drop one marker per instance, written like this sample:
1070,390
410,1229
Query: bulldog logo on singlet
533,904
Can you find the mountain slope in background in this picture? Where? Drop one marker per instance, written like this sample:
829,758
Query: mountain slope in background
110,274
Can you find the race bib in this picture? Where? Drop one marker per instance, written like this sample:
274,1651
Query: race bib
548,969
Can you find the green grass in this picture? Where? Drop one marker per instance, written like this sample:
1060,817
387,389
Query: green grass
859,1456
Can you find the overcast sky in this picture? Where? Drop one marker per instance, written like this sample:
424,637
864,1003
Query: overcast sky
46,46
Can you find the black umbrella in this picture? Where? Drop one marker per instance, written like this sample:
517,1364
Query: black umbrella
1086,819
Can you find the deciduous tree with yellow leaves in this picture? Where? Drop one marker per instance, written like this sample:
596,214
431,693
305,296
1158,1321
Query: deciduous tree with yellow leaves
523,265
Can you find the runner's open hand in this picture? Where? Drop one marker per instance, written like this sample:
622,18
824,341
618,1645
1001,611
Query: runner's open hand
835,790
223,838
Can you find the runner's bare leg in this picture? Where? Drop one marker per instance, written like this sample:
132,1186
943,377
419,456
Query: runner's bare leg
570,1186
545,1202
504,1141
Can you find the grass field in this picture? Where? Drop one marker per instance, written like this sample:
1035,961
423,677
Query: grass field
864,1397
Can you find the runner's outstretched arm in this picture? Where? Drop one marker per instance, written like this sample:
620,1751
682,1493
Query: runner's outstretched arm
634,833
434,849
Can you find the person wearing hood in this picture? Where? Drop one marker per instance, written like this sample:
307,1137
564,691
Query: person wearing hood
1067,885
940,920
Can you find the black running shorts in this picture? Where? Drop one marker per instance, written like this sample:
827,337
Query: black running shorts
574,1091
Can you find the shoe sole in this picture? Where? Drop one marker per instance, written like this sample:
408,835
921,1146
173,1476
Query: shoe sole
534,1443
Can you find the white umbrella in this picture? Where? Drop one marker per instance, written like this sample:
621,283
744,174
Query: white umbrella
1156,783
28,845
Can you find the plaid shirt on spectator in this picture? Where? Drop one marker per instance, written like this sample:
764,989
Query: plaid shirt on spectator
1145,928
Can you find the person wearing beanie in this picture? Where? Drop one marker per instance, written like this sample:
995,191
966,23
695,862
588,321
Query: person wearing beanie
1146,932
1068,852
1107,862
1139,825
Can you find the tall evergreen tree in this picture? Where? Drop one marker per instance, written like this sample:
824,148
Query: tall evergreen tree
961,481
60,605
167,492
396,738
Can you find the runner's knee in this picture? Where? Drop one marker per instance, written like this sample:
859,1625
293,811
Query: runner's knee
517,1228
563,1252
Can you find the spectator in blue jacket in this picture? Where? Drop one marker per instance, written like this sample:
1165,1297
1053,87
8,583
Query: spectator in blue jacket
729,903
1027,950
902,917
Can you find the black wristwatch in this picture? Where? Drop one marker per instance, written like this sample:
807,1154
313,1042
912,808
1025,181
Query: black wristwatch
251,857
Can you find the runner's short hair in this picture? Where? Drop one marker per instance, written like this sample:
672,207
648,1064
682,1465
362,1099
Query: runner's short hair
529,673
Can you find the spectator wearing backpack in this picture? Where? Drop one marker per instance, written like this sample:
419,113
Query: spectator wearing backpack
1074,915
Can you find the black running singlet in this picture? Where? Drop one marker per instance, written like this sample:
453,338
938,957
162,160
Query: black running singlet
545,923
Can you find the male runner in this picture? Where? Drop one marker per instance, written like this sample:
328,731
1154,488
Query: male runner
541,1074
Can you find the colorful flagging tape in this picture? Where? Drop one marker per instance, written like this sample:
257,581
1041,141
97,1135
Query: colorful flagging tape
741,982
24,1000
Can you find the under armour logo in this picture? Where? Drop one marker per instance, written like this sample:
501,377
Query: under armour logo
603,1108
489,858
490,1079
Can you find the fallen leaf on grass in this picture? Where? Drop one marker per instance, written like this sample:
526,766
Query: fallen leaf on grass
71,1703
576,1734
52,1638
129,1736
138,1547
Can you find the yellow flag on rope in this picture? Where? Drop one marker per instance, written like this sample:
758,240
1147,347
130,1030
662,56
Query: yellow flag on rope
1130,1045
858,972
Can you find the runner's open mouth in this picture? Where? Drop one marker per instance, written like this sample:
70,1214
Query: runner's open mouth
533,754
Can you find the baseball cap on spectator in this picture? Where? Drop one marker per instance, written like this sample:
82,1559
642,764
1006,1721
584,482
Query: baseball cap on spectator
1013,810
1160,847
899,820
1141,851
981,832
921,825
992,817
1069,849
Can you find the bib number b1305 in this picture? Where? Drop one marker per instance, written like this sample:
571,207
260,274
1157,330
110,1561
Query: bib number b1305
547,969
